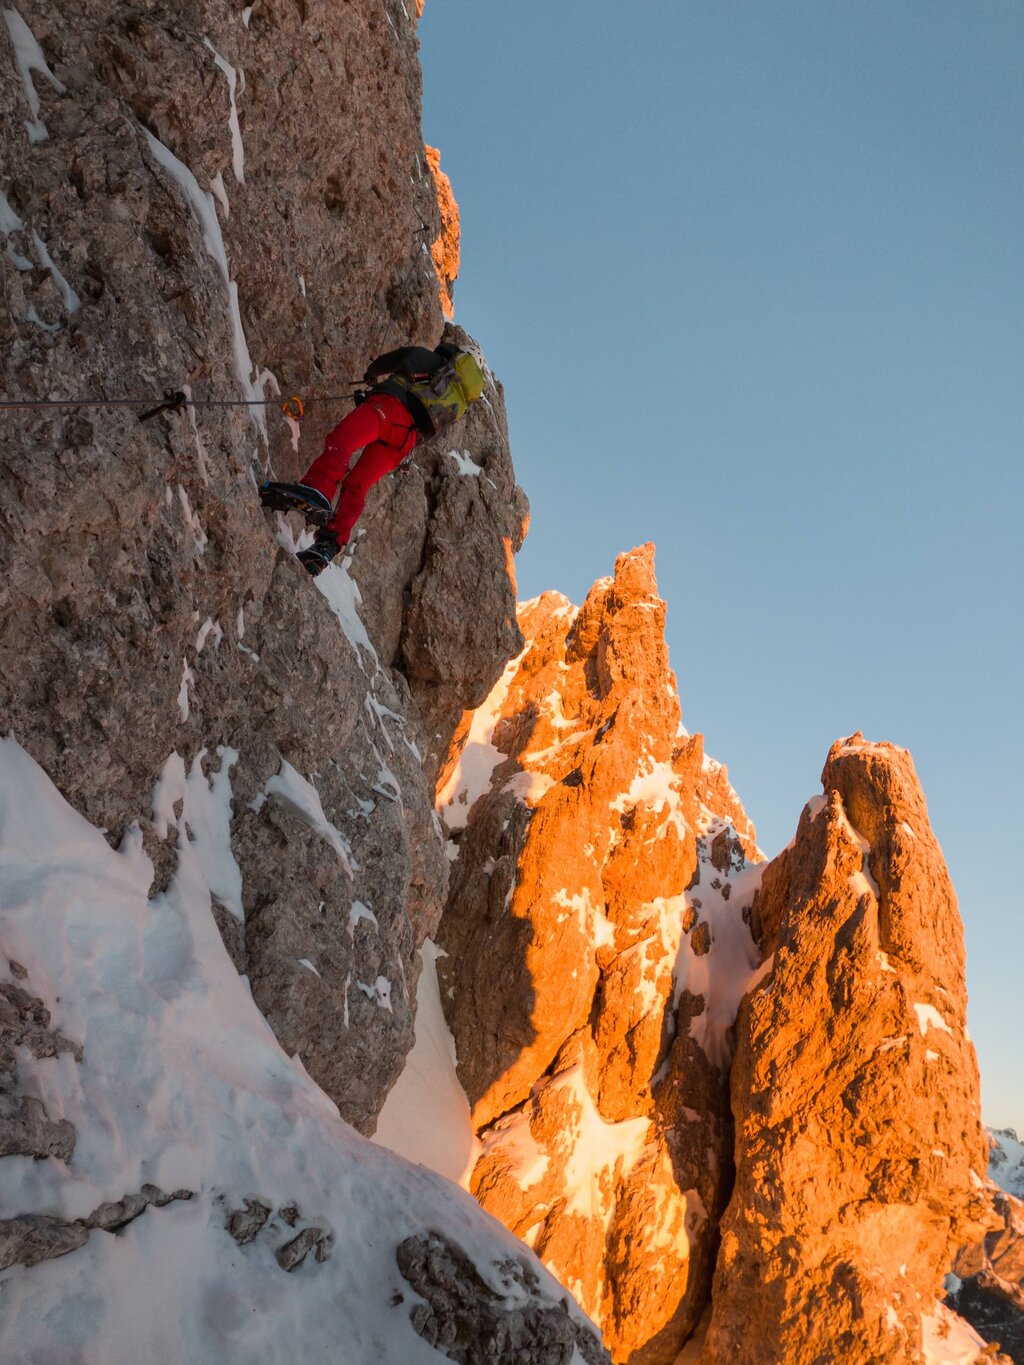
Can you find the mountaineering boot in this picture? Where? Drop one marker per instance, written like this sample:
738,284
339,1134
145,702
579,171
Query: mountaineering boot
296,497
320,553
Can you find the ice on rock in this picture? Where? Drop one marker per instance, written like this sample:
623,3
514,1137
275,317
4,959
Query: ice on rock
235,88
299,794
202,204
28,57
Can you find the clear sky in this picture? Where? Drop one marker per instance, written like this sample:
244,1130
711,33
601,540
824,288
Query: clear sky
753,276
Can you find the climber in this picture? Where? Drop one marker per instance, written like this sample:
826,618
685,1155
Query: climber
415,394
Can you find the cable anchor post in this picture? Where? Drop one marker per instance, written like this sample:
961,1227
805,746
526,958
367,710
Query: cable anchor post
175,400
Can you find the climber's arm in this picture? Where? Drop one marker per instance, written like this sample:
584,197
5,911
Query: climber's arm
412,361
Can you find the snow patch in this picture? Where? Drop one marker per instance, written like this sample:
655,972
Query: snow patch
595,1149
359,912
203,821
200,447
68,297
302,798
471,777
528,787
33,316
28,57
208,628
184,1085
192,522
379,992
10,223
731,967
657,788
344,599
220,193
466,464
948,1340
188,679
234,85
929,1017
526,1160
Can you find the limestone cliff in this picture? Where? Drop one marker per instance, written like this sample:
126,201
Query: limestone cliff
446,247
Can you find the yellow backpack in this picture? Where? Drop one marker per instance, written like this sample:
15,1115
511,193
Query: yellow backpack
449,391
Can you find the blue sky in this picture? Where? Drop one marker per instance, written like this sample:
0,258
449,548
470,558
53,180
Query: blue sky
753,276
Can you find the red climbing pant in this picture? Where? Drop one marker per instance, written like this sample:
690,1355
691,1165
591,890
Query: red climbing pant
385,432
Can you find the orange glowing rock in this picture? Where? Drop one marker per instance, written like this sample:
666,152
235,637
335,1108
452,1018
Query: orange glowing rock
445,250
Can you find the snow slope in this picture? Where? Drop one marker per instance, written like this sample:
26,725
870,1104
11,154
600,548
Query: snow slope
426,1116
183,1085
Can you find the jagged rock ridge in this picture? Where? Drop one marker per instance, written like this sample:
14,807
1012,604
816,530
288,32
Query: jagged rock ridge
594,1038
596,953
988,1283
854,1086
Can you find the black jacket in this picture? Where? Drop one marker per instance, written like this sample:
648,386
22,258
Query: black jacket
412,363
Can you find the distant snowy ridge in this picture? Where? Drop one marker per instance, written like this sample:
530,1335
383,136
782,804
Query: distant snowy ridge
1006,1160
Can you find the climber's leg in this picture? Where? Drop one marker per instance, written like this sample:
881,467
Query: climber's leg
361,427
376,461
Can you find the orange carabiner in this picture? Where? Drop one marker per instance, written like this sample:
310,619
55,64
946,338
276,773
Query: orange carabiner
294,408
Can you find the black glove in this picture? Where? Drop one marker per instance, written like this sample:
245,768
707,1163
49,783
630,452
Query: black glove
361,395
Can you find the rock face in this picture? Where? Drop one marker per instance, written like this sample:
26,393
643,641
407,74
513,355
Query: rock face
597,952
989,1282
232,201
26,1129
236,201
854,1086
469,1322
